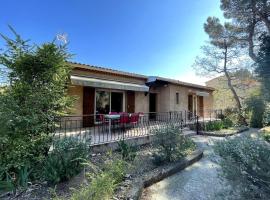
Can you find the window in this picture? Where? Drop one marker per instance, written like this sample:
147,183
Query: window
177,97
107,101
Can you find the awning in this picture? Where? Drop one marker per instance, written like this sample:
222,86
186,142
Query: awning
203,94
99,83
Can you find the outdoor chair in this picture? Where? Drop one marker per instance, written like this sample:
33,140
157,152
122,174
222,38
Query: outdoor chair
134,119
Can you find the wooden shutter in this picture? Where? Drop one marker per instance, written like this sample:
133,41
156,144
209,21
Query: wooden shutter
130,101
88,106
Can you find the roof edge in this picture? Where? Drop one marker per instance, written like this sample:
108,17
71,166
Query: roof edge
123,73
107,70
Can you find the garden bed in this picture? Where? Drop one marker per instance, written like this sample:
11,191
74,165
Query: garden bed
141,173
224,132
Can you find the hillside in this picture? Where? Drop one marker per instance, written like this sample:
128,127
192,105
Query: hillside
223,98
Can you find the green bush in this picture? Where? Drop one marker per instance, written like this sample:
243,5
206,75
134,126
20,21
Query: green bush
36,95
171,144
213,126
65,160
245,162
227,123
266,115
255,105
103,185
128,152
266,136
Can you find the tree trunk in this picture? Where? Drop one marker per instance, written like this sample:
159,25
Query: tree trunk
250,42
242,119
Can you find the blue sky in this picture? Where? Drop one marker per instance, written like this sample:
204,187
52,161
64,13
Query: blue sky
151,37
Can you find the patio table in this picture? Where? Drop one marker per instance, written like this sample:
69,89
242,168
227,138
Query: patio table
110,118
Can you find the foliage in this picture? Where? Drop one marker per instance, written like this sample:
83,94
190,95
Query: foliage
232,115
128,152
266,136
227,123
245,163
65,160
256,106
102,186
249,18
263,64
171,144
213,126
266,115
38,77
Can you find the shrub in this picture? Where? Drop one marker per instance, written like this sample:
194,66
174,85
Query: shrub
245,162
171,144
128,152
256,106
65,160
36,95
266,116
227,123
103,185
266,136
213,126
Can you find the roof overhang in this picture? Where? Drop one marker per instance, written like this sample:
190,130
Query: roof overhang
108,84
154,82
203,94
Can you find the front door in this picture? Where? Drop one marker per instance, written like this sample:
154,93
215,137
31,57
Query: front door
152,105
200,106
130,101
88,106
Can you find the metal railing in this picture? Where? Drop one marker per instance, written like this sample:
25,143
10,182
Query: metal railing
100,129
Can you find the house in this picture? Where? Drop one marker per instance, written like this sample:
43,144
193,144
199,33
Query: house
101,90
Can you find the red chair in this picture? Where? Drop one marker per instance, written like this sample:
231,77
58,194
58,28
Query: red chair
134,118
124,118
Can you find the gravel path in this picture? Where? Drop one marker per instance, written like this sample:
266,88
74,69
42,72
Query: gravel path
199,181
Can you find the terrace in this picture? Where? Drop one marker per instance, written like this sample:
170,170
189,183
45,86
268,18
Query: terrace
101,129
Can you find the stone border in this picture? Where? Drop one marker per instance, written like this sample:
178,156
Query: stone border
207,133
160,173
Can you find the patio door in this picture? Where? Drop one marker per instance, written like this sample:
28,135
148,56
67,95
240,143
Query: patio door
88,106
116,102
130,101
109,101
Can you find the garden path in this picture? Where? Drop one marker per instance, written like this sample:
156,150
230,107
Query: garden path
199,181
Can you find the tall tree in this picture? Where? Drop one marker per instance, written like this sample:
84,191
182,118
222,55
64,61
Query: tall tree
250,19
221,56
263,66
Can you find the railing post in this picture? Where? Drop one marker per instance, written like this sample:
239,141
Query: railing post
197,124
185,118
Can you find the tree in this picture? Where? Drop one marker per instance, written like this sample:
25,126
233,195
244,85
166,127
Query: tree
249,18
221,56
35,97
263,66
